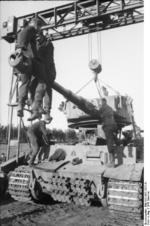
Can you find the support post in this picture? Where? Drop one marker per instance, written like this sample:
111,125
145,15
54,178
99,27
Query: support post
75,11
97,7
9,131
18,144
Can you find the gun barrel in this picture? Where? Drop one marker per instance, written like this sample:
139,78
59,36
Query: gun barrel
81,102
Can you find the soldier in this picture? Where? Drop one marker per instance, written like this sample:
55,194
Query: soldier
109,126
45,71
39,139
26,46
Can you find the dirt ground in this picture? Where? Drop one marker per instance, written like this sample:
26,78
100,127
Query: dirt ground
14,213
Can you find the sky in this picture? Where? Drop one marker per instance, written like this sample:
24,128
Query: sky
122,60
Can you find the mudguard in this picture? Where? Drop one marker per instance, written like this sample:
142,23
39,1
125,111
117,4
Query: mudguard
51,166
125,172
11,164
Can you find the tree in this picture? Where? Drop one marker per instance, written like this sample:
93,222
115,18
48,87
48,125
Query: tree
58,135
3,133
71,136
13,134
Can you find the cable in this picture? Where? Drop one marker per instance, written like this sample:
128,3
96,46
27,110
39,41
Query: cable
10,98
89,47
99,49
110,87
12,78
84,86
98,90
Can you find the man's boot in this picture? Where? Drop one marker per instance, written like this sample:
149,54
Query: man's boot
31,162
20,110
41,110
111,163
36,110
29,102
47,117
35,115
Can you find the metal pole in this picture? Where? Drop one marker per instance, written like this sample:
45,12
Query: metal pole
134,127
18,145
9,132
17,91
97,5
27,138
133,122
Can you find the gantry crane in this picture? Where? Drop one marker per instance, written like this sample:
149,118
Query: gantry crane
80,17
74,19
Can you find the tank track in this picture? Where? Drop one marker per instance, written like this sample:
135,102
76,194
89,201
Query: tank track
61,188
67,189
122,196
125,196
18,186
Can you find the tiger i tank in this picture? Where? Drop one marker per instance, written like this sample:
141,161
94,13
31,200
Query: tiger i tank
83,177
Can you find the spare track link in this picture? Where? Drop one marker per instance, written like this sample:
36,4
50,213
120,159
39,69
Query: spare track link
18,186
67,189
125,196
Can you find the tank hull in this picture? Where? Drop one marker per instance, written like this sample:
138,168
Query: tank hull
91,181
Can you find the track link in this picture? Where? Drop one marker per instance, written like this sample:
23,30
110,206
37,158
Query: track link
125,196
18,186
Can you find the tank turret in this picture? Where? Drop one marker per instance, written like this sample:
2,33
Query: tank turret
81,112
79,101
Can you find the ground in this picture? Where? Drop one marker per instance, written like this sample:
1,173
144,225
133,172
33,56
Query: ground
15,213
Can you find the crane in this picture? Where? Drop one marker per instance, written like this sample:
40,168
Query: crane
79,18
74,19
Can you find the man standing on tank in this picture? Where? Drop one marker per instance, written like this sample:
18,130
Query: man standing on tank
110,127
39,139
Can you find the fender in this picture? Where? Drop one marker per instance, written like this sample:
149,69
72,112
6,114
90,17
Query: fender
132,172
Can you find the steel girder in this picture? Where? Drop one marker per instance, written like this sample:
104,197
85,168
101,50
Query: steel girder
86,16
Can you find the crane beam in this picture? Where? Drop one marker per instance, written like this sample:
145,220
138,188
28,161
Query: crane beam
86,16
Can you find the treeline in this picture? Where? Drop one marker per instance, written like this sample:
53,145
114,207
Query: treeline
68,136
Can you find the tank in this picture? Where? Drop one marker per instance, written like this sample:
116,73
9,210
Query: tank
83,177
